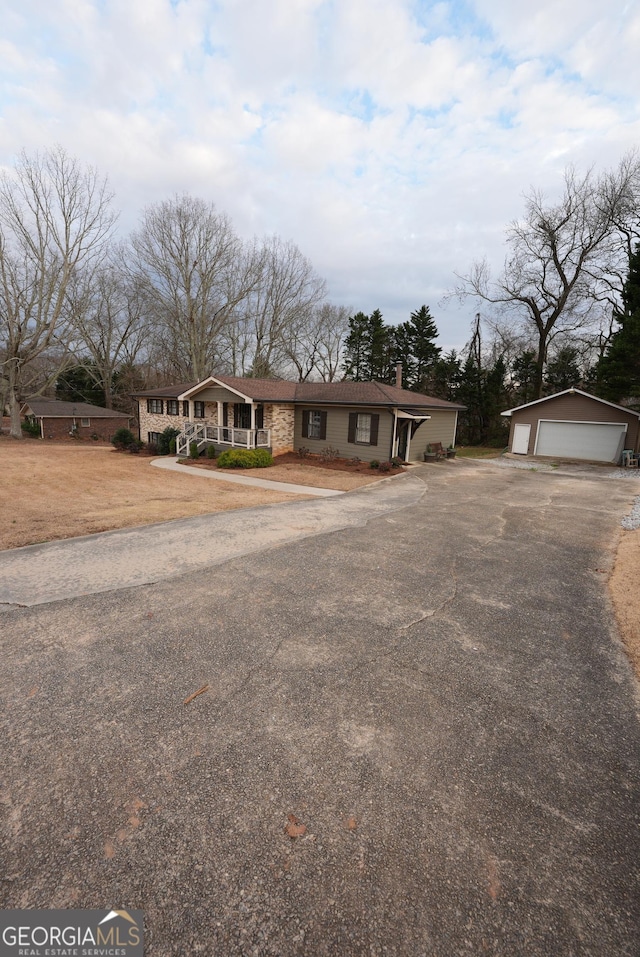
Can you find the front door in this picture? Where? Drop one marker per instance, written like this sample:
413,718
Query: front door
242,415
403,434
521,435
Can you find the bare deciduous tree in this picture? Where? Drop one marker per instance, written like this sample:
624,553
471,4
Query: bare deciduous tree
195,272
108,319
286,293
315,345
562,258
55,220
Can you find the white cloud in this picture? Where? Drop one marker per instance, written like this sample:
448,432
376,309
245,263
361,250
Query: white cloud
391,140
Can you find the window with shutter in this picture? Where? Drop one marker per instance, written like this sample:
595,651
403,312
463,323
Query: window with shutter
314,424
363,428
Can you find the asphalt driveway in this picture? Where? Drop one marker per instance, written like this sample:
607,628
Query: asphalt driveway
434,692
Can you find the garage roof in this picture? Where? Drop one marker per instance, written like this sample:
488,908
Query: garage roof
556,395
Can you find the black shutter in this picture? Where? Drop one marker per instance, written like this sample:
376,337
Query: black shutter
260,417
373,440
305,423
225,414
353,425
148,405
323,425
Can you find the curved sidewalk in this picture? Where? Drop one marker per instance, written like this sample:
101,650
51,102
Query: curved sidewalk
173,465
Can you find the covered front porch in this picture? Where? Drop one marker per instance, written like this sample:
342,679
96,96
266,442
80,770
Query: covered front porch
221,436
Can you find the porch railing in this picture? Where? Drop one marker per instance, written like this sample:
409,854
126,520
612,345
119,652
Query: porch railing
203,435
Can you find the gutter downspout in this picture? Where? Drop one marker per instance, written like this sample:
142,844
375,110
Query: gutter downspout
393,435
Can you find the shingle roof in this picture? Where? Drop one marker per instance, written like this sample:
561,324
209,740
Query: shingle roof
325,393
165,391
56,408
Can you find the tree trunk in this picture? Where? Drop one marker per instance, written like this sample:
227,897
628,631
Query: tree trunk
538,375
14,403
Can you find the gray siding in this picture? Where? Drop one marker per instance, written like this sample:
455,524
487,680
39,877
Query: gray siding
573,408
215,394
338,433
441,427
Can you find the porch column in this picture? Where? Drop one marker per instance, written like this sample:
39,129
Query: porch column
220,415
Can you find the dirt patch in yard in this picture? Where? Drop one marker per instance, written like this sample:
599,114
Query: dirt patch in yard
60,490
341,474
625,593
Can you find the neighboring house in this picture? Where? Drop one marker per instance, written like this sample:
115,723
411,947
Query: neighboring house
367,420
574,425
59,420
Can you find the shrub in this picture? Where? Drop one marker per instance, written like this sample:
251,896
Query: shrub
123,439
211,451
329,454
135,446
193,450
173,446
355,460
31,427
152,448
385,466
396,462
303,452
166,437
245,459
374,464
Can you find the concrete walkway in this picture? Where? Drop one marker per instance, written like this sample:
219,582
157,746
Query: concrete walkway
128,557
174,466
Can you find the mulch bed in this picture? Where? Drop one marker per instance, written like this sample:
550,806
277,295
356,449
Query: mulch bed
340,465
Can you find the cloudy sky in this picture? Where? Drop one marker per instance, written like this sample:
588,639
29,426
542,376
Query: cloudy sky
391,140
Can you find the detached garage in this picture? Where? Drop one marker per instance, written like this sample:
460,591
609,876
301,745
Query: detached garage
573,425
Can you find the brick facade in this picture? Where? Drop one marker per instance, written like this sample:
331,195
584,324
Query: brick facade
154,422
280,419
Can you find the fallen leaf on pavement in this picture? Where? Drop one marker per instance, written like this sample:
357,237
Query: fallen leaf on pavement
295,827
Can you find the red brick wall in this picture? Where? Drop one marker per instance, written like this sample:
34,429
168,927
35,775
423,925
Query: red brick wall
104,428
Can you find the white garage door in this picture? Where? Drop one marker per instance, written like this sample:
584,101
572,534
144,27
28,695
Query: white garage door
598,441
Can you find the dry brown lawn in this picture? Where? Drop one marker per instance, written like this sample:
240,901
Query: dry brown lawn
59,490
54,490
625,594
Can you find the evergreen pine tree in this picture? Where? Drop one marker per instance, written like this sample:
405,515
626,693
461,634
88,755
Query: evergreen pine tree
357,348
381,349
523,369
618,372
426,353
563,371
